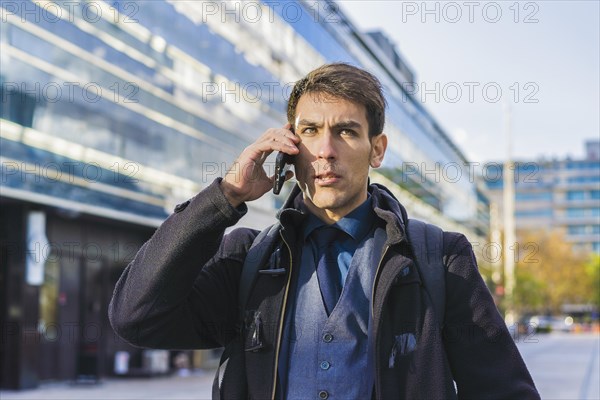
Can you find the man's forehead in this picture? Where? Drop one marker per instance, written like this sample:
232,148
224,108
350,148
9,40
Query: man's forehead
325,98
316,107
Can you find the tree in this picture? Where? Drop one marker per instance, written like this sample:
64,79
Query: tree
530,292
550,274
592,269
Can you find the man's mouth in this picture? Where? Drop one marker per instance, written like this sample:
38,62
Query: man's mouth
327,178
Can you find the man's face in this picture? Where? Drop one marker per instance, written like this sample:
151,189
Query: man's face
332,167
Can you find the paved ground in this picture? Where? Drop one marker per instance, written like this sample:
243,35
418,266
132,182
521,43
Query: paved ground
563,367
196,386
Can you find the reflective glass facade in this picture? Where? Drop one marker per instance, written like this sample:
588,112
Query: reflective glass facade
130,107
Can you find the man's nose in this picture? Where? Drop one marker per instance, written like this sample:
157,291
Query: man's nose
327,148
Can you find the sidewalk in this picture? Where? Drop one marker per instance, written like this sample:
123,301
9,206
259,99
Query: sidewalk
197,386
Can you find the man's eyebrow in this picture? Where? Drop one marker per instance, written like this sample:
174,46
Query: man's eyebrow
307,122
338,125
346,124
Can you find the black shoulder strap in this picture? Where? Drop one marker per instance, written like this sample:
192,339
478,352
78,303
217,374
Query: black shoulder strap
427,242
256,256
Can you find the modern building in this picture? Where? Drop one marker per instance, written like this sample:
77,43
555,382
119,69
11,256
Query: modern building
555,194
114,112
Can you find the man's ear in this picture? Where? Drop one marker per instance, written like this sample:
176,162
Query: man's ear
378,146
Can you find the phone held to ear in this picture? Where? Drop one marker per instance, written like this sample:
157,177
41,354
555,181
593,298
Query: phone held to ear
282,165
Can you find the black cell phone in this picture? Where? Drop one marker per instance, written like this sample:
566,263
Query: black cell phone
282,165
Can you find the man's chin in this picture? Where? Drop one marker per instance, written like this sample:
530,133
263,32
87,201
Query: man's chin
323,201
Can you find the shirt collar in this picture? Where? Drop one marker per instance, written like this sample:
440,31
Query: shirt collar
356,224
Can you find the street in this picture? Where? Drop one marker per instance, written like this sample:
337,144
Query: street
564,366
197,386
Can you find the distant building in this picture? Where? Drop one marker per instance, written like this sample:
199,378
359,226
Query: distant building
555,194
592,150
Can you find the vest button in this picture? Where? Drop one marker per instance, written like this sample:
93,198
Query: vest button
328,337
325,365
323,394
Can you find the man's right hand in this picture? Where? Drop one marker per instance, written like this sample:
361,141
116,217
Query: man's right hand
247,180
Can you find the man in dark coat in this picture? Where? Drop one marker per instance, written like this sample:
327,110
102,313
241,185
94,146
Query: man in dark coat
340,308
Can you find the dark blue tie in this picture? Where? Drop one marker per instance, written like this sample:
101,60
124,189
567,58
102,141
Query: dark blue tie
328,270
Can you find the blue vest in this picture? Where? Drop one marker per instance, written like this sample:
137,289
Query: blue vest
335,354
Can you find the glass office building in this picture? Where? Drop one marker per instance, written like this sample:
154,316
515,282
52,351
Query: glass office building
114,112
562,195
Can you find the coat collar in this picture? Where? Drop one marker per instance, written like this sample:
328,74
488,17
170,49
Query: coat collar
386,206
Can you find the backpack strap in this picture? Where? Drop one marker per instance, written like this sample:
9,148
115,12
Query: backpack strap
230,378
427,243
257,255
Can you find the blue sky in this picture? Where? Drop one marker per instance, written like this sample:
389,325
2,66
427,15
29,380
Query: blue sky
543,56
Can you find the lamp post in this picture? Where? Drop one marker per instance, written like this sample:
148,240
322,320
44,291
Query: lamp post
509,224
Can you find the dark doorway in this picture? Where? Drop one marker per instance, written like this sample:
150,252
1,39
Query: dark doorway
59,320
93,294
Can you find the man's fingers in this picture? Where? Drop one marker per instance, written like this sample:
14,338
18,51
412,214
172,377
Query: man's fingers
289,139
282,140
249,180
281,143
263,157
280,135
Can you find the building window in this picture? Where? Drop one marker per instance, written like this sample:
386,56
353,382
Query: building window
575,212
575,195
576,230
540,196
542,212
593,165
584,179
17,106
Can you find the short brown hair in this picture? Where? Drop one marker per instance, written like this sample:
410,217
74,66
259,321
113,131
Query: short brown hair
347,82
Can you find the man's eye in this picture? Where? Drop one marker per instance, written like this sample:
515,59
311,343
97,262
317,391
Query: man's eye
308,131
347,132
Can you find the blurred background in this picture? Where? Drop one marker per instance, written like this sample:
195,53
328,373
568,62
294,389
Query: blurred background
113,112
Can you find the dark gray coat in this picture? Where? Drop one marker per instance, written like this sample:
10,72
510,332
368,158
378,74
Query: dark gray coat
181,292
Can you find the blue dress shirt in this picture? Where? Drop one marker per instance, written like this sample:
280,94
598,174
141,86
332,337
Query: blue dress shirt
357,224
